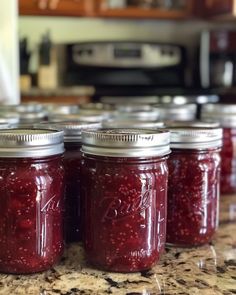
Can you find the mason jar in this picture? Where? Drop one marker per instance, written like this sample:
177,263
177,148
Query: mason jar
31,200
193,187
72,164
225,114
124,187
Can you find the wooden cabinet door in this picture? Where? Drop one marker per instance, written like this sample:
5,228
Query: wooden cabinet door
71,7
218,7
56,7
104,10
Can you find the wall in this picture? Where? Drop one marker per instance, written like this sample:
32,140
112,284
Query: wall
9,70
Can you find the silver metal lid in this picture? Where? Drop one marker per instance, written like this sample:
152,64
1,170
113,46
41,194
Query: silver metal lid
32,117
26,107
126,142
197,124
106,114
76,117
119,123
9,117
177,112
225,114
4,125
195,138
72,129
151,115
66,109
134,107
30,143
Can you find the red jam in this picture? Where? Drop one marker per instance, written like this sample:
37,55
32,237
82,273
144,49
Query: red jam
193,195
72,164
31,232
228,165
125,211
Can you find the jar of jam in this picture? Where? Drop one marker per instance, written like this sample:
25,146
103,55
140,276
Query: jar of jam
31,200
193,187
124,187
72,164
225,114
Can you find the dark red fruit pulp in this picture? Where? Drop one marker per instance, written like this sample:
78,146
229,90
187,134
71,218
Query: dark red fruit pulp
125,211
228,166
31,219
193,196
72,163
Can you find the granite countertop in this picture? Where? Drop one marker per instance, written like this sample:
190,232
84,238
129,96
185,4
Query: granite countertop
209,270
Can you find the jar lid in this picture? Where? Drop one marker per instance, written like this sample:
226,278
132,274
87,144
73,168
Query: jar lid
31,117
134,107
118,123
4,125
151,115
9,117
105,114
195,138
30,143
26,107
72,129
177,112
197,124
225,114
66,109
76,117
126,142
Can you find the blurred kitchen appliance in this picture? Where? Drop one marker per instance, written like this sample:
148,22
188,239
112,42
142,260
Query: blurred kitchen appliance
218,59
122,64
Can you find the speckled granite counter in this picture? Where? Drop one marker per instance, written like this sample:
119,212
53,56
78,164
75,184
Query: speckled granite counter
209,270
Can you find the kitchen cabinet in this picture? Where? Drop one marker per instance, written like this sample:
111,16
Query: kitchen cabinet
224,9
137,9
56,7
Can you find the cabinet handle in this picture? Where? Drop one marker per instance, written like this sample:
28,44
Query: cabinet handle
53,4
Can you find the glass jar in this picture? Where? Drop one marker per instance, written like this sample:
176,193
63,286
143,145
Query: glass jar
124,186
193,187
72,164
31,197
225,114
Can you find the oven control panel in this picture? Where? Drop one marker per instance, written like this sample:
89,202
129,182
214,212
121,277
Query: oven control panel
126,55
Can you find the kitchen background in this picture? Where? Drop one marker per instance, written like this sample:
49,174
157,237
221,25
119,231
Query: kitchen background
47,23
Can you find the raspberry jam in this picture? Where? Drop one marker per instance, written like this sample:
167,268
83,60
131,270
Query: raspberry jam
124,197
193,187
228,165
225,114
31,194
72,164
